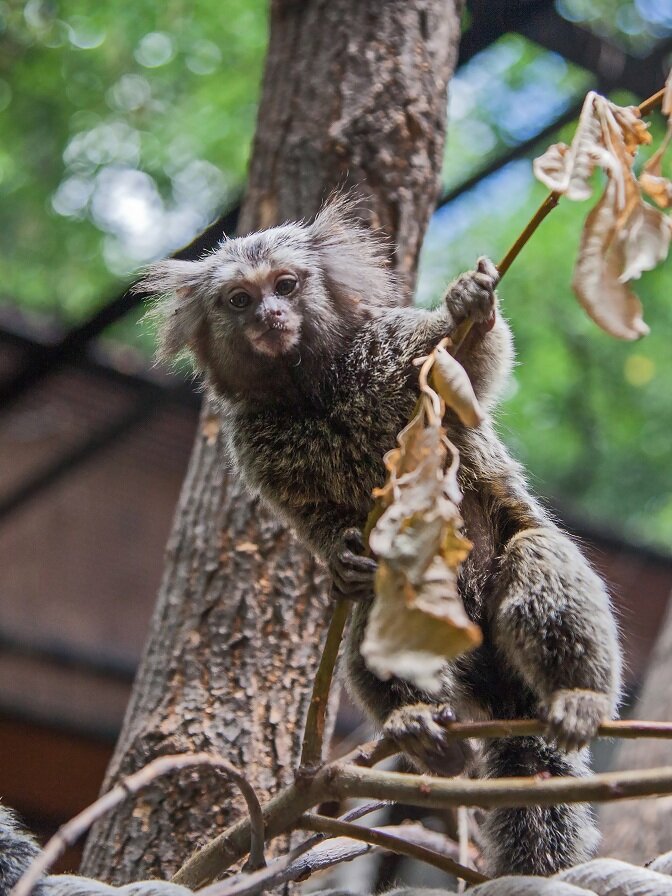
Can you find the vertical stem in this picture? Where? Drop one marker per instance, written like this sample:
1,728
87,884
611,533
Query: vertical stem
313,737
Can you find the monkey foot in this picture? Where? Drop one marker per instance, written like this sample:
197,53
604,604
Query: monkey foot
419,731
573,717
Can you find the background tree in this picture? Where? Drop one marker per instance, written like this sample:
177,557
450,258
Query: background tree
354,94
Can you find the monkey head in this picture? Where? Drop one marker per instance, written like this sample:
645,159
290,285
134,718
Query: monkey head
272,299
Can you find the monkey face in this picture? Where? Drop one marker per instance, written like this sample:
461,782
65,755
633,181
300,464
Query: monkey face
265,307
271,299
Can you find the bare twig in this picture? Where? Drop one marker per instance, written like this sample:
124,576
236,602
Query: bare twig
300,863
394,843
533,727
280,814
70,832
440,793
546,206
371,753
313,736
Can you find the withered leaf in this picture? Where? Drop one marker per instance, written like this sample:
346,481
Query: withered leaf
667,97
567,169
417,621
414,642
597,279
450,380
645,235
652,181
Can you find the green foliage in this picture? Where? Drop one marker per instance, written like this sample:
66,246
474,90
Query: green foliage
124,131
589,416
126,128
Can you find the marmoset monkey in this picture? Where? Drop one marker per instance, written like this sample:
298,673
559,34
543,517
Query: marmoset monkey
297,333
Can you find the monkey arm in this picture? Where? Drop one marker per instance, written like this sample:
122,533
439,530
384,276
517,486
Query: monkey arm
487,352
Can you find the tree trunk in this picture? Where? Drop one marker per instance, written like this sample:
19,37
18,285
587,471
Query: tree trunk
639,831
354,94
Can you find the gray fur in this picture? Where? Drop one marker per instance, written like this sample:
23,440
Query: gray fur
308,428
17,851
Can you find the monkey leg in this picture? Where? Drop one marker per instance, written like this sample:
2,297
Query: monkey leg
550,617
535,839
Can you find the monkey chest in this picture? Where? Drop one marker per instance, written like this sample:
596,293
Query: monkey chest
334,454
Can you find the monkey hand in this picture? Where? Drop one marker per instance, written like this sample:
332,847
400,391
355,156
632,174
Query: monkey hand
352,572
472,295
420,731
573,717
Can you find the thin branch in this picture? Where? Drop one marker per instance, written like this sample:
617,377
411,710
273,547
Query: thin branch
279,815
441,793
313,736
651,103
546,206
625,729
282,812
312,822
371,753
300,863
72,830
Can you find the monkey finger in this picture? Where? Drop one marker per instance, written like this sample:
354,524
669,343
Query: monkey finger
354,539
354,567
484,280
485,265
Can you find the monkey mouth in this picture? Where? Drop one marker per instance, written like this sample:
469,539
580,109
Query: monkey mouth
275,340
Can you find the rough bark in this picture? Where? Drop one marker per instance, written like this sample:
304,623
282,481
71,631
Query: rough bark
354,94
641,830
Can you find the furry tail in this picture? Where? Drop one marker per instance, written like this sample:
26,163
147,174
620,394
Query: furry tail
17,850
536,839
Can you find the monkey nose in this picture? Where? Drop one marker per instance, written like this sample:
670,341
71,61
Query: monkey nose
270,313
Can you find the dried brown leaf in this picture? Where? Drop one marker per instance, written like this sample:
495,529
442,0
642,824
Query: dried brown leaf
567,169
667,97
634,131
451,381
412,643
652,181
607,136
646,240
417,621
597,276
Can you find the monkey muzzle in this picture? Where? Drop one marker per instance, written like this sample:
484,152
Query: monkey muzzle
276,327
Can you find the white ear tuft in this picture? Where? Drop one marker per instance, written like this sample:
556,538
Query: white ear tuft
355,259
177,308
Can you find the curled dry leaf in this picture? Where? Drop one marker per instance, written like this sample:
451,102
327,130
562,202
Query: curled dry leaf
408,641
623,235
567,169
417,621
667,97
652,181
450,380
597,276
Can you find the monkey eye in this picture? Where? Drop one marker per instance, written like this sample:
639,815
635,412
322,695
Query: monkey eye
240,300
286,286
